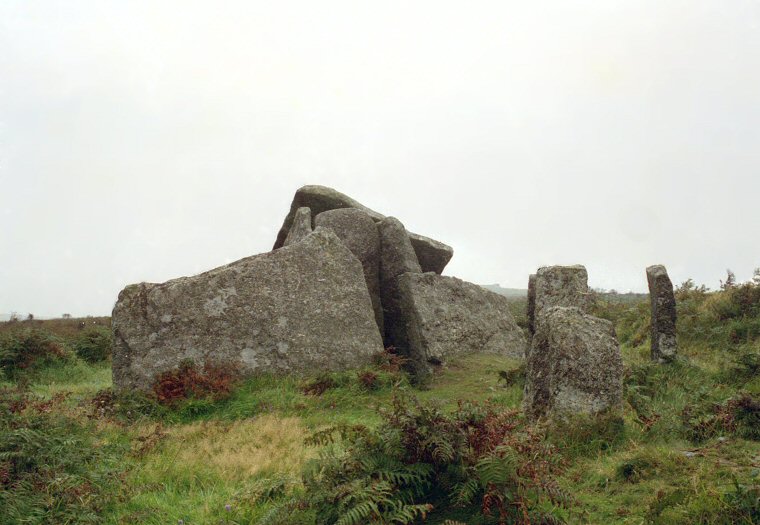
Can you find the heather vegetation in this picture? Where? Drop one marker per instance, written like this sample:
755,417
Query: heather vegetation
367,446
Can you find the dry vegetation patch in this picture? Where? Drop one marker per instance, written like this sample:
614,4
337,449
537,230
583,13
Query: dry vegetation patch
237,450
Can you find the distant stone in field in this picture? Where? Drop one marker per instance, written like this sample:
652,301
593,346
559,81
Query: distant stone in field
301,308
574,365
432,255
663,302
561,286
446,317
359,233
531,306
301,226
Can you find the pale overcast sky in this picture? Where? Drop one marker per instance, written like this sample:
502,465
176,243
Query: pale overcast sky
141,141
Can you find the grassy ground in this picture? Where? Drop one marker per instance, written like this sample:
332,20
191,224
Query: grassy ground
670,460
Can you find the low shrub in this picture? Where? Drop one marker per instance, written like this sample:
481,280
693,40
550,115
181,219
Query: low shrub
389,361
369,380
27,349
513,376
319,385
190,382
739,416
52,469
481,457
94,344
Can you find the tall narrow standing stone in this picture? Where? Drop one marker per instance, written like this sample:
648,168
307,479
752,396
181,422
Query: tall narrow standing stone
663,301
531,305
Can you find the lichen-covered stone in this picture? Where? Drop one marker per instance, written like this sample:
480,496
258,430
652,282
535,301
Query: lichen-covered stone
432,255
301,308
663,303
446,317
301,226
397,257
574,365
561,286
359,233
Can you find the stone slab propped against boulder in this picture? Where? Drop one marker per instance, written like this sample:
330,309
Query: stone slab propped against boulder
302,308
432,255
446,317
397,257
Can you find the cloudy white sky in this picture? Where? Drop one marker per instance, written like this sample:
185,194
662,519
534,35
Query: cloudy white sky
148,140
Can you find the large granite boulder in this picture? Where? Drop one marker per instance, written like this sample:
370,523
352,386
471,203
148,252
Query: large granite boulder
560,286
301,226
574,366
446,317
359,233
397,257
432,255
663,303
301,308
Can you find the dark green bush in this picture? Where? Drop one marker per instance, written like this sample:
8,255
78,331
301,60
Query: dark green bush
26,349
94,344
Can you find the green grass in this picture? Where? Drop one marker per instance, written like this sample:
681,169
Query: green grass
648,465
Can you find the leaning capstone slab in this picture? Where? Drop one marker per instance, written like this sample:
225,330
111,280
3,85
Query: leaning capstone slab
560,286
359,233
397,257
301,308
301,226
663,302
574,365
446,317
432,255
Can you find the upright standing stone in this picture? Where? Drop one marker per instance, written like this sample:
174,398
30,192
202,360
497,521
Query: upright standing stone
561,286
446,317
574,366
531,304
359,233
301,226
397,257
663,302
432,255
301,308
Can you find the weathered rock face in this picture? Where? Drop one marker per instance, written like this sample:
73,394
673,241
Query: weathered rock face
301,226
531,304
663,302
304,307
561,286
574,365
446,316
359,233
397,257
433,255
